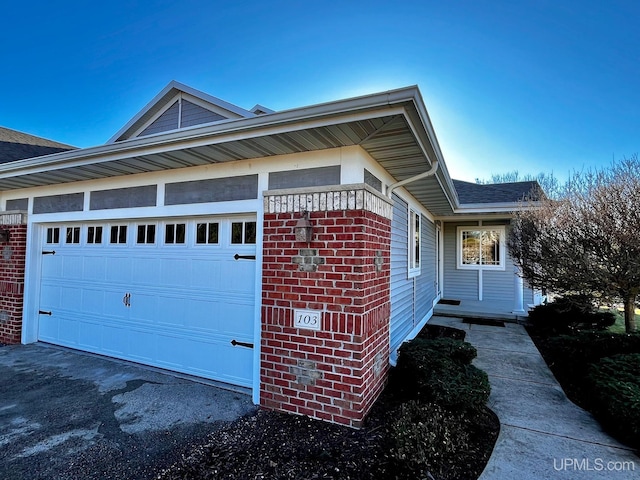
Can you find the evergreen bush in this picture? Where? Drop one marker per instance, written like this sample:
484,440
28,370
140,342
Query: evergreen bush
615,383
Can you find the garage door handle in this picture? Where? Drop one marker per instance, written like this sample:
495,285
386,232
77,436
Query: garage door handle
241,344
246,257
126,300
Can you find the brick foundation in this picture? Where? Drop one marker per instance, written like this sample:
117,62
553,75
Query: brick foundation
337,372
12,266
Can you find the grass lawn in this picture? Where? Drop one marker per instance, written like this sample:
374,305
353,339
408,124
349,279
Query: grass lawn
618,327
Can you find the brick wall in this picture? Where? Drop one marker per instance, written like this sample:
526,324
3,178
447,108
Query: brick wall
337,372
12,265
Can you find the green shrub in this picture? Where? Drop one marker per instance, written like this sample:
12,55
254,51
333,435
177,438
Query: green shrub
615,386
425,435
589,347
569,357
569,314
440,371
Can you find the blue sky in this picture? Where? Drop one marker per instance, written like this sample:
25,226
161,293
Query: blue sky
537,86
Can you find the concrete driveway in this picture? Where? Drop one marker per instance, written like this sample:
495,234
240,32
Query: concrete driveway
65,414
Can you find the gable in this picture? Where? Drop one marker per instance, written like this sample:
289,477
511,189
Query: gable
181,114
176,107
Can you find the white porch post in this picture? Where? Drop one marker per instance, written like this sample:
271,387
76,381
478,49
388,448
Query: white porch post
518,306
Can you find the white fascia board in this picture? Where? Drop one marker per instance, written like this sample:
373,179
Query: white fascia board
505,207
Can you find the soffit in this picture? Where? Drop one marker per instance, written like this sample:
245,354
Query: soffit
393,140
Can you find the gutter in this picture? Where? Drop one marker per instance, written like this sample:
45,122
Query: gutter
415,178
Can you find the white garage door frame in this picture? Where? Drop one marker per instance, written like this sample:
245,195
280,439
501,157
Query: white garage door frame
35,246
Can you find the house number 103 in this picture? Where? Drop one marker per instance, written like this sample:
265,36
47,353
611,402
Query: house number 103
309,319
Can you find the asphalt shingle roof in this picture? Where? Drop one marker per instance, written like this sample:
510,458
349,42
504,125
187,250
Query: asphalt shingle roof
16,145
513,192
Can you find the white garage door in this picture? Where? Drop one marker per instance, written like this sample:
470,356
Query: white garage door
177,295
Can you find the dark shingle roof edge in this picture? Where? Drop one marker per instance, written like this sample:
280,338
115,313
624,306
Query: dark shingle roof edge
513,192
15,145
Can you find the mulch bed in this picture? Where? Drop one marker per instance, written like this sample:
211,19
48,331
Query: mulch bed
272,445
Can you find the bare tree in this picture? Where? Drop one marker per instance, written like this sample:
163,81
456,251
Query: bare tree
550,185
589,240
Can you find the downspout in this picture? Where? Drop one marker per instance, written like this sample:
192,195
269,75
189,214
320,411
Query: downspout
415,178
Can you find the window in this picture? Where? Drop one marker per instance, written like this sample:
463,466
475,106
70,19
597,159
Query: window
146,234
94,235
481,248
243,232
414,243
118,234
174,233
73,235
207,233
53,235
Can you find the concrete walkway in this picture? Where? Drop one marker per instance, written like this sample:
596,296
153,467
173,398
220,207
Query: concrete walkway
543,435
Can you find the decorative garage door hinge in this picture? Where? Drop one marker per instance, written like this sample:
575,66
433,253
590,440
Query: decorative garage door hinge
43,312
246,257
241,344
48,252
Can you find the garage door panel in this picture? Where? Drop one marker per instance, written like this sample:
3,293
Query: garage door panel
144,308
146,271
49,328
49,296
204,316
141,345
174,311
240,275
92,301
118,269
95,268
176,306
232,319
52,267
206,274
89,334
72,267
175,272
68,331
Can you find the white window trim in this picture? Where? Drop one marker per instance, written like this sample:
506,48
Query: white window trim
503,250
413,270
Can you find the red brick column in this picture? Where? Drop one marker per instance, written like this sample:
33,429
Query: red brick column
12,265
337,372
